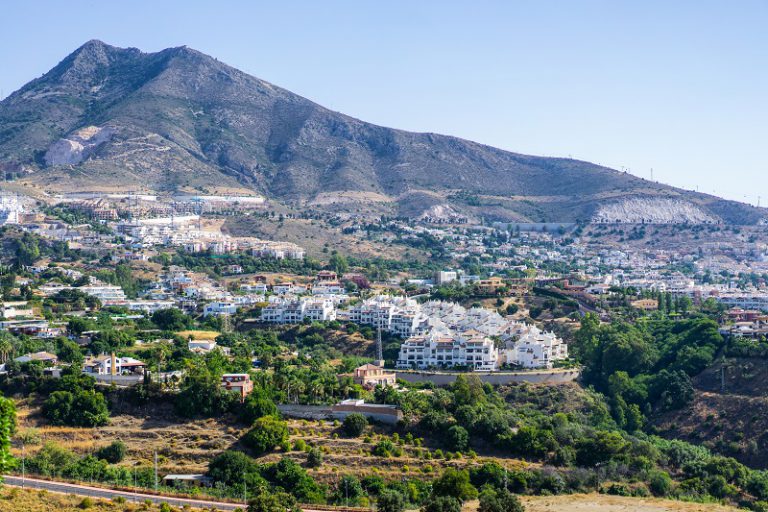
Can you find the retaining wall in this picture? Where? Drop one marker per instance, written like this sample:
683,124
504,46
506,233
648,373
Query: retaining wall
534,377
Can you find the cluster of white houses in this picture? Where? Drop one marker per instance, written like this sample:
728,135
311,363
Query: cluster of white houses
437,334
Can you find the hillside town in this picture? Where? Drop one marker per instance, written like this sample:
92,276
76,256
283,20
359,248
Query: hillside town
217,294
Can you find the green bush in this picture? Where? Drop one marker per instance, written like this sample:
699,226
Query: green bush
314,458
354,424
660,483
113,452
266,433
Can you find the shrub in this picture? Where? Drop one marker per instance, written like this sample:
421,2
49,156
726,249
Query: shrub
454,483
266,433
660,483
314,458
442,504
457,438
386,448
81,408
354,424
229,468
499,501
86,503
390,501
113,452
257,405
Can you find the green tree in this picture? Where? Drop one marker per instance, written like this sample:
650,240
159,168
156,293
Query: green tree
27,250
7,429
235,468
441,504
660,483
266,433
348,491
500,500
457,438
338,263
314,458
390,501
201,392
273,502
354,424
171,319
257,404
113,452
455,483
89,409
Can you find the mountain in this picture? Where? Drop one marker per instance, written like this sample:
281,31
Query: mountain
109,118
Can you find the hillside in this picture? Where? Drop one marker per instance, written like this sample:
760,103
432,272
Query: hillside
732,420
109,118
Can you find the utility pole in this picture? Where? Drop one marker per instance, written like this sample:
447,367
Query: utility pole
23,462
155,470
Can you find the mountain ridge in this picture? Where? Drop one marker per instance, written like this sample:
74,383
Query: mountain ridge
179,120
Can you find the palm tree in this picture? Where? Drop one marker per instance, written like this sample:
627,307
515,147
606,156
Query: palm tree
6,346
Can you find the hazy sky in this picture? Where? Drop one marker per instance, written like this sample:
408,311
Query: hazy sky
677,86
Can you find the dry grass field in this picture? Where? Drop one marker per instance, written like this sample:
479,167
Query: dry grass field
199,335
188,446
17,500
606,503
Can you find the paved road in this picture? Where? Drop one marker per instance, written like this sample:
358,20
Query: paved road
100,492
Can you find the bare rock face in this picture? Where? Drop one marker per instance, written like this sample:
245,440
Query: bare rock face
654,211
78,145
442,213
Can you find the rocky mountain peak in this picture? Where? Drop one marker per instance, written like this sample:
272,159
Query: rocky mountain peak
178,119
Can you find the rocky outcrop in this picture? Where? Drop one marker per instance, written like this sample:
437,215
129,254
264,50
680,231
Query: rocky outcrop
78,145
639,210
442,214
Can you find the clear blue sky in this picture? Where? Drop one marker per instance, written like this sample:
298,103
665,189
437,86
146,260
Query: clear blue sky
678,86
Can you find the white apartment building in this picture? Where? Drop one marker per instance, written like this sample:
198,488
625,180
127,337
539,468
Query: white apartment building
295,310
445,276
288,288
441,349
329,288
260,288
536,349
106,293
398,315
278,251
220,308
149,306
756,300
